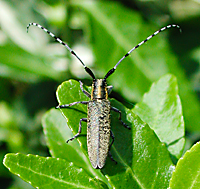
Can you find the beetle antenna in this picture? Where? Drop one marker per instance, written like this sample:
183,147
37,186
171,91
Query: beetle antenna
141,43
88,70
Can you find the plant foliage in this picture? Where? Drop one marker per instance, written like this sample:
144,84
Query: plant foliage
154,87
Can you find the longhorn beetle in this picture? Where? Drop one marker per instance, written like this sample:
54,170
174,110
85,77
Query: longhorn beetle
99,107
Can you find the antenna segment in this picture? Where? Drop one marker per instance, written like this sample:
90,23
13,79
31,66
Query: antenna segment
88,70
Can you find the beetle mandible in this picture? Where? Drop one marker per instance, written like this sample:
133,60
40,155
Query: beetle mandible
99,107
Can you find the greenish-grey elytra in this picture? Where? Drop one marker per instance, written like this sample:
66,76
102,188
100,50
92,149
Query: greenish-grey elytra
99,107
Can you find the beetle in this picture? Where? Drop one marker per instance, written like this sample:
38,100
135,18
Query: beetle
99,107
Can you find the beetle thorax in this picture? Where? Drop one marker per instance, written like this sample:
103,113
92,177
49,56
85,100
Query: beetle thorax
99,89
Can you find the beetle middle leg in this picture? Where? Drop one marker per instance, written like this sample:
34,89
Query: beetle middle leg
79,130
120,119
82,119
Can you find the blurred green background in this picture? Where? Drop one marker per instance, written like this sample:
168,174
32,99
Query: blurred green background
33,65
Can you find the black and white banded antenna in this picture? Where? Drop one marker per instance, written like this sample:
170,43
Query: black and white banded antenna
88,70
138,45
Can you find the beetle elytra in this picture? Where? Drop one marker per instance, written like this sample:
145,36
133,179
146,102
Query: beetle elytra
99,107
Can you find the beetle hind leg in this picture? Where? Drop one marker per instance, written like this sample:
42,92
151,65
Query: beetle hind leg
113,139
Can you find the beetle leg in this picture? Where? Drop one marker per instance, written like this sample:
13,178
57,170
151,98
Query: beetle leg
120,119
84,91
79,130
113,139
71,104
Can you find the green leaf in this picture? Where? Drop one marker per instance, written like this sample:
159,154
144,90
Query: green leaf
161,109
143,161
47,172
114,30
186,174
57,132
67,92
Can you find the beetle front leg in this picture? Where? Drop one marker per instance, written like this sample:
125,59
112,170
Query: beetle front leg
120,119
79,130
82,119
